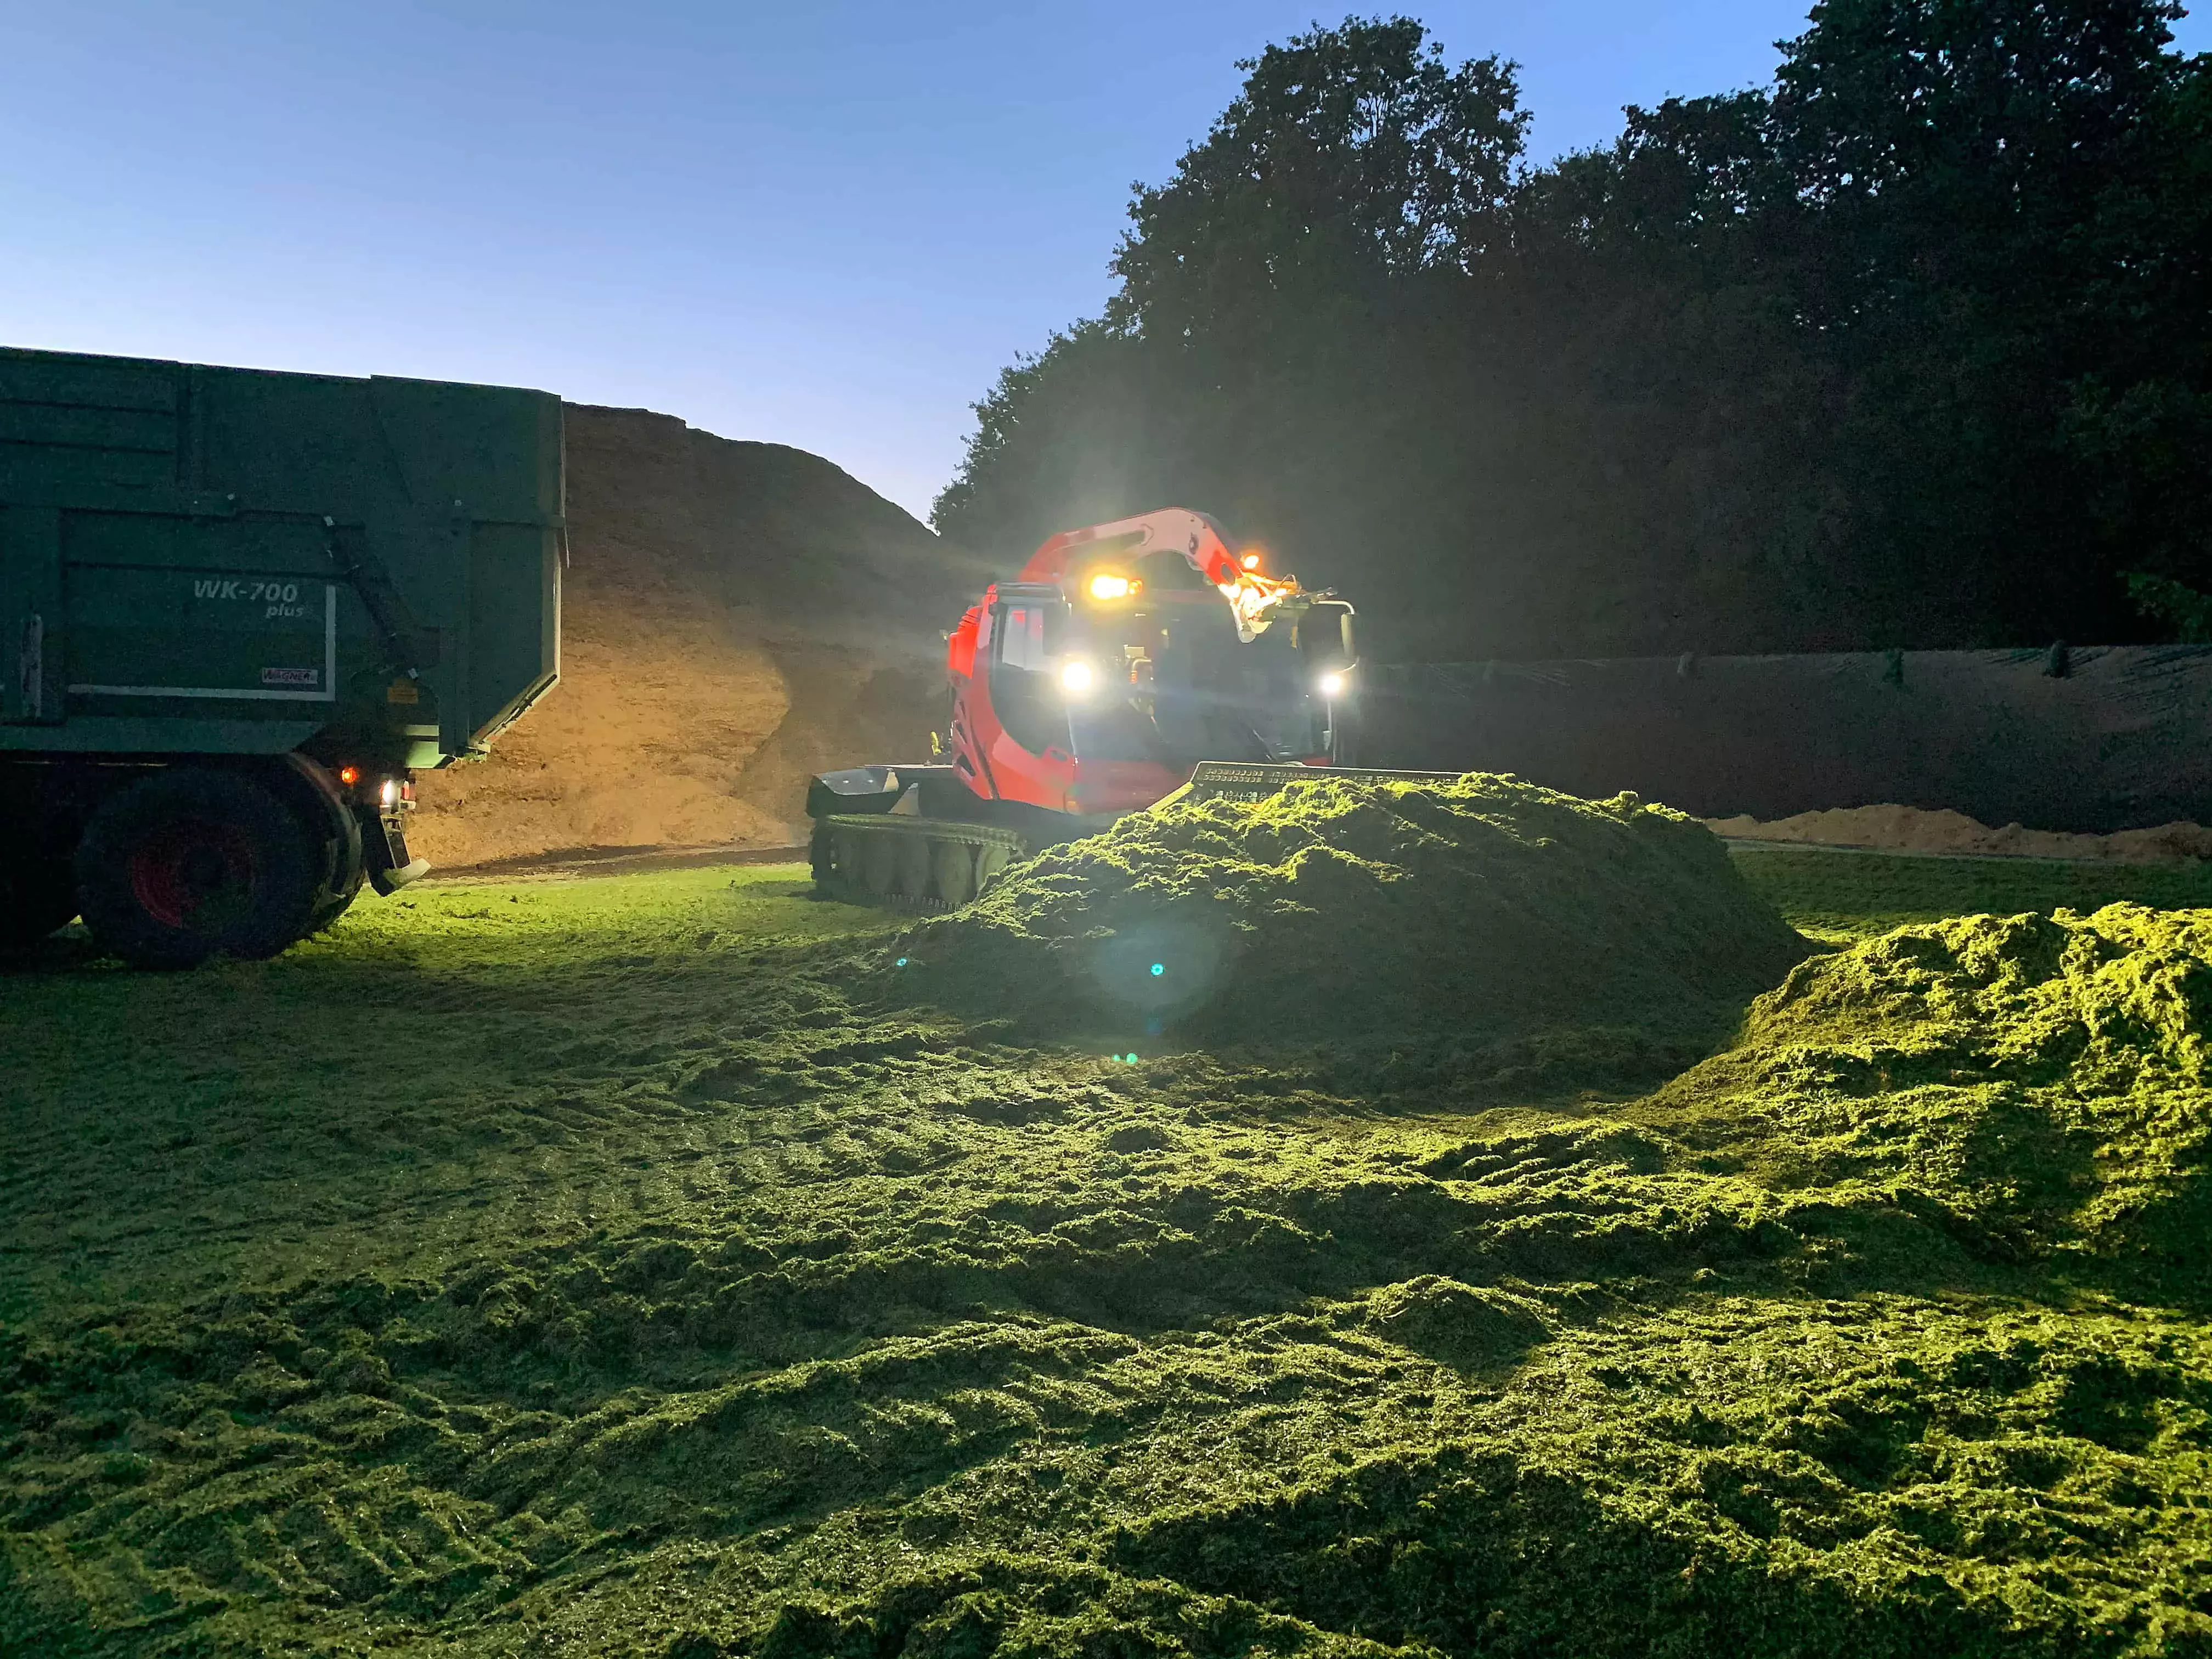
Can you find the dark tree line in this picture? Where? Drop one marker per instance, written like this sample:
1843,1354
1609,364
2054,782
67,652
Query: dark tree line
1912,348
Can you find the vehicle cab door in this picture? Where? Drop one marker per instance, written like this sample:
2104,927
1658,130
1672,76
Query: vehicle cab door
1028,629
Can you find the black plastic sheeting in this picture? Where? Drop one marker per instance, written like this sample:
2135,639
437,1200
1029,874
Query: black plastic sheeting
2092,739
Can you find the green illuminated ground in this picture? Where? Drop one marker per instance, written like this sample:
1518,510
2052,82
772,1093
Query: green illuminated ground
1858,894
556,1268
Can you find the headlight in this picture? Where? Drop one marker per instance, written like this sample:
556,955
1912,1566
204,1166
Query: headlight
1108,586
1333,683
1076,678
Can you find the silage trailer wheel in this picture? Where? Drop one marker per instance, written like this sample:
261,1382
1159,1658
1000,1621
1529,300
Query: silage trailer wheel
345,868
189,863
335,897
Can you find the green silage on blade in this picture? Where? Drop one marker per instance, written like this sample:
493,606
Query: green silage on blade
1485,910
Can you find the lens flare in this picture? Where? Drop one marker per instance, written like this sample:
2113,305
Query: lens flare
1251,596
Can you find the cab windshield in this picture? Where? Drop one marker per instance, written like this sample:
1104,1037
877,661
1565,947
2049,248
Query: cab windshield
1176,685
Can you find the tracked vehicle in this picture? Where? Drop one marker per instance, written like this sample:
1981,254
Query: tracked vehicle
1124,663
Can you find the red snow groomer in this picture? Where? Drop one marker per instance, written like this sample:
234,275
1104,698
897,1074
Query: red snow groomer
1127,662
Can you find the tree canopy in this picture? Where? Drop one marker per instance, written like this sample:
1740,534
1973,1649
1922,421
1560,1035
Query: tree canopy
1912,347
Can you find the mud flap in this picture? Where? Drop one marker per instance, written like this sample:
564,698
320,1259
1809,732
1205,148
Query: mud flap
384,845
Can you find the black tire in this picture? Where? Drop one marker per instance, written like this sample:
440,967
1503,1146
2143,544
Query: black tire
345,868
186,864
38,897
333,900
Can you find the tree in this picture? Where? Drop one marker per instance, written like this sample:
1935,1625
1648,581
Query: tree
1909,348
2138,424
1250,357
1352,154
1961,144
1966,168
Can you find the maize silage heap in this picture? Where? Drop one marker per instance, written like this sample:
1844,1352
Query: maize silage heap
1482,911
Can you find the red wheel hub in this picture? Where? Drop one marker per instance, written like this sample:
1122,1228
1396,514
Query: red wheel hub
193,873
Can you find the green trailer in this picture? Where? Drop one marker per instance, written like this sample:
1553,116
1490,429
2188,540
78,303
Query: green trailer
238,609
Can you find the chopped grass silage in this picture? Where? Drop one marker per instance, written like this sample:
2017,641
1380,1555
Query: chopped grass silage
602,1268
1480,911
2040,1081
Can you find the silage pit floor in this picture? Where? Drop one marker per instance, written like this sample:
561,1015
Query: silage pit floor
654,1293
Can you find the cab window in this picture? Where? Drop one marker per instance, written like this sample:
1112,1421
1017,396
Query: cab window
1025,636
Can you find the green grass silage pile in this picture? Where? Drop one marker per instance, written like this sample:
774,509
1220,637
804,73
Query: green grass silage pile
688,1304
2040,1081
1484,909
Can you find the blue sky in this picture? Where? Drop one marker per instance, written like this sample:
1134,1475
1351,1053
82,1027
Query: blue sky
826,224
